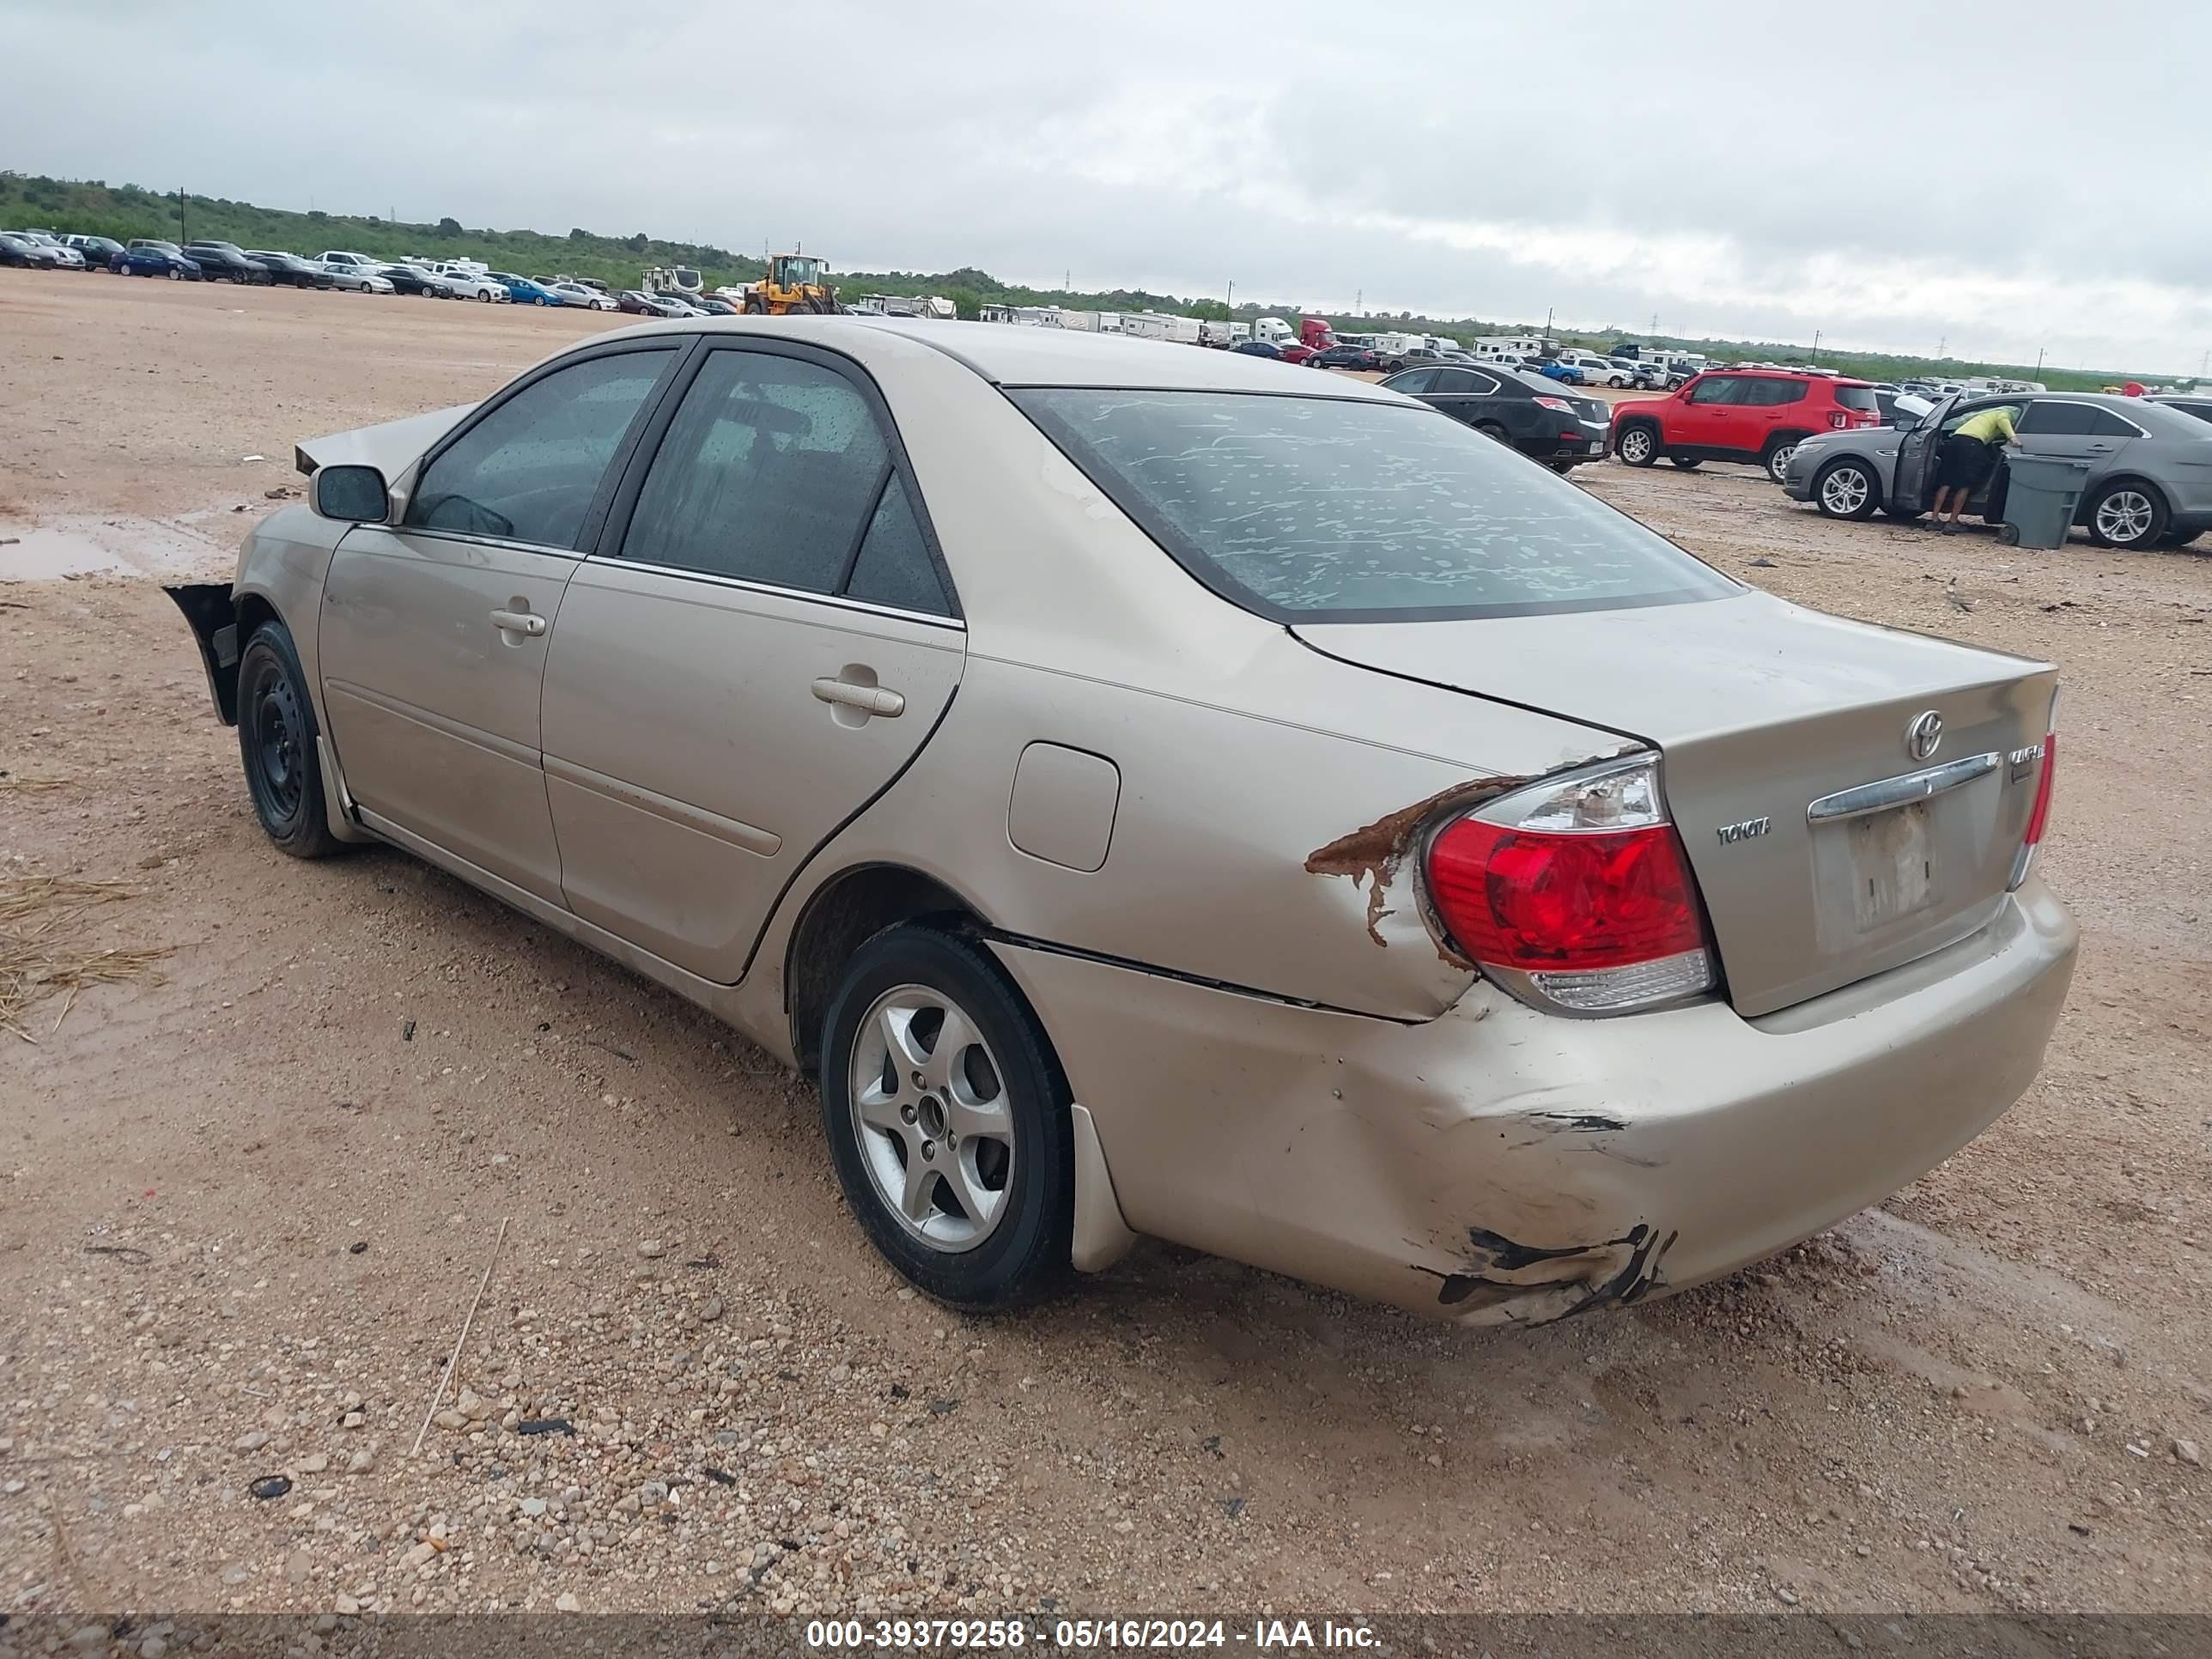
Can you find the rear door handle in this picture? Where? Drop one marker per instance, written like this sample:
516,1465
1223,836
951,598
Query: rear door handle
518,622
868,699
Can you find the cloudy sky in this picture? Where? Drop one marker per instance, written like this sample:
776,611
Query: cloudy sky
1996,178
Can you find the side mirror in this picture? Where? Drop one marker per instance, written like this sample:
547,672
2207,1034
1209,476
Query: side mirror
1904,420
355,494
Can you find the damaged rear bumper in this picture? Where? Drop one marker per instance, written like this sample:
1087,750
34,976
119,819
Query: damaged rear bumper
1499,1165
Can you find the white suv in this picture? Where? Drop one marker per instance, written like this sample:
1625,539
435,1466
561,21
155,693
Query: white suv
468,283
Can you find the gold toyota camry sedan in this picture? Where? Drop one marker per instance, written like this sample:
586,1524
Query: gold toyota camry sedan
1164,791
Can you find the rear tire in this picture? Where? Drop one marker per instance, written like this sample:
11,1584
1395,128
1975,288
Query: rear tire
911,1105
2179,537
2127,515
276,734
1638,445
1490,429
1776,460
1686,463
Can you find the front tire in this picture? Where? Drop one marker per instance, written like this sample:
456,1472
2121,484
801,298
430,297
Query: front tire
947,1118
277,742
1685,463
1846,489
1638,445
2127,515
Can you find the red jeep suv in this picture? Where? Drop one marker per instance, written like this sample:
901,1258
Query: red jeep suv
1755,414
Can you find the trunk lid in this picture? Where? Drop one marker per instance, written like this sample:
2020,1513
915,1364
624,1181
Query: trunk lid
1764,714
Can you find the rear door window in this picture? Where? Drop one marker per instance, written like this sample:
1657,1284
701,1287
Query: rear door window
2057,420
1324,509
529,471
1766,393
777,470
2109,423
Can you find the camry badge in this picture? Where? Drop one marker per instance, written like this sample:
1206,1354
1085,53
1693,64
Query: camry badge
1924,735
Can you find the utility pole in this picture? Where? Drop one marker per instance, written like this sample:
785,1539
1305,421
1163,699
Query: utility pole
1816,347
1548,324
2039,362
1359,301
1655,322
1233,299
183,232
1941,344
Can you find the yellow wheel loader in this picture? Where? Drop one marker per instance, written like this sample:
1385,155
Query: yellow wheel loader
793,283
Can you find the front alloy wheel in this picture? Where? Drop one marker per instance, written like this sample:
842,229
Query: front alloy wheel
1846,492
1637,446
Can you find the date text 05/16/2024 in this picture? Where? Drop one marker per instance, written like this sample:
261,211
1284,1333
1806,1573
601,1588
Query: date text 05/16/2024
1083,1635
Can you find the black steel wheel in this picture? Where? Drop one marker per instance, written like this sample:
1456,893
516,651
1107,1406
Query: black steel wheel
277,736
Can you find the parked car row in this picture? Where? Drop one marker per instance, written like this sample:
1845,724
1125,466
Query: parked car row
337,268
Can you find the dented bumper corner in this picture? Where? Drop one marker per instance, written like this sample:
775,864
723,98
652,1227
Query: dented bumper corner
208,608
1499,1165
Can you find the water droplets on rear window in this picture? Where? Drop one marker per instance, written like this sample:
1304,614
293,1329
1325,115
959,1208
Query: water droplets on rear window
1316,506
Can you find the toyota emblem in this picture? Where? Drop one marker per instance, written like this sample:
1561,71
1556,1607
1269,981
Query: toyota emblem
1924,735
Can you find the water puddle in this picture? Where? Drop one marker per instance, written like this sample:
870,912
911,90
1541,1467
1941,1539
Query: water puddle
61,548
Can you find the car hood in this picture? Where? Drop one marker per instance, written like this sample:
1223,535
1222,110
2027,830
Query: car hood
391,447
1876,441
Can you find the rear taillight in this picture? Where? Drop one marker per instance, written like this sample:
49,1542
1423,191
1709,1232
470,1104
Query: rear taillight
1839,418
1576,893
1555,402
2038,816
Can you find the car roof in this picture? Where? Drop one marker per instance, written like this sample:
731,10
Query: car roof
1009,355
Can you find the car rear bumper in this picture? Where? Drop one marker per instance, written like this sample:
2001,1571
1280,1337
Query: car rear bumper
1499,1165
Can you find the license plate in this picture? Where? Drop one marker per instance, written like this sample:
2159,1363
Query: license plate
1893,867
1597,446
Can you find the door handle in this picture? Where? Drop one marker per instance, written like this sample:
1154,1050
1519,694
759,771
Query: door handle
868,699
518,622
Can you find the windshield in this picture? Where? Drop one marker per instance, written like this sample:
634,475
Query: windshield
1319,509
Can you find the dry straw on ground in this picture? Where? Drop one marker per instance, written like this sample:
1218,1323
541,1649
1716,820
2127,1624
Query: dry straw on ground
43,950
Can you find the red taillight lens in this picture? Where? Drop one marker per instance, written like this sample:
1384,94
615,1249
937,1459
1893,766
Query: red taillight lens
2039,814
1580,903
2037,818
1554,403
1576,893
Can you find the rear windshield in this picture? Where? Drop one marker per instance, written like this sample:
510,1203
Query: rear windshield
1319,509
1856,397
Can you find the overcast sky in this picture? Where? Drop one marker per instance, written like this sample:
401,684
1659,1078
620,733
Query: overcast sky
2000,176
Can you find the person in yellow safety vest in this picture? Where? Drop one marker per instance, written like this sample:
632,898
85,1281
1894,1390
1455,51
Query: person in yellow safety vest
1969,455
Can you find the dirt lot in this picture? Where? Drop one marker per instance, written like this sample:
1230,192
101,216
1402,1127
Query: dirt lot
247,1202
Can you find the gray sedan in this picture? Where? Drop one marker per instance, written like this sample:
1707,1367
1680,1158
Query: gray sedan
2150,466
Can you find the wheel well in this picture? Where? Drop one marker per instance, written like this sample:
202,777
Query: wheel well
2134,480
840,917
1779,439
253,611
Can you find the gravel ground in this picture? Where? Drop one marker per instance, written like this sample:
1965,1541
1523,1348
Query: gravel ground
248,1203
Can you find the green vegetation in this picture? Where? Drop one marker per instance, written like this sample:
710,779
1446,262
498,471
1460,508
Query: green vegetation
123,211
